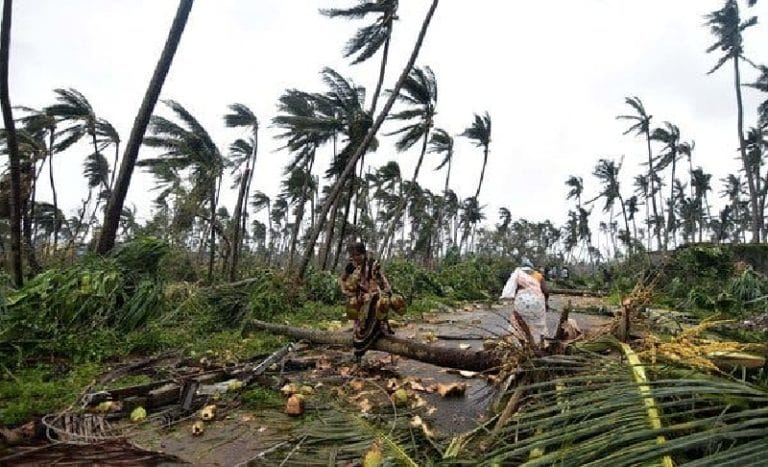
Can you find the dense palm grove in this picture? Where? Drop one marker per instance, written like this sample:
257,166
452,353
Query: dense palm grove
99,284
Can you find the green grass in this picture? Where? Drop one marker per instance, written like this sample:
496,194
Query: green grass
261,397
36,391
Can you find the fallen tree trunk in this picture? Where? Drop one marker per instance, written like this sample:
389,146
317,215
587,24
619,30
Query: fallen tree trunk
471,360
577,292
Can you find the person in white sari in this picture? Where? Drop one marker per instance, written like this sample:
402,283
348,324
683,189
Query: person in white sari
526,286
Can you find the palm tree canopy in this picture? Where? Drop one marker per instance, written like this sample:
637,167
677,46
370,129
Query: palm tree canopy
441,143
480,130
607,171
670,136
725,24
368,39
240,116
419,92
641,120
576,185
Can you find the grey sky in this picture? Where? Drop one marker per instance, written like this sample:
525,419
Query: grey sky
553,76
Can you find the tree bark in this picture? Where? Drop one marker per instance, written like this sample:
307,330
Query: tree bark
448,357
756,215
13,147
651,186
351,164
118,195
236,223
482,173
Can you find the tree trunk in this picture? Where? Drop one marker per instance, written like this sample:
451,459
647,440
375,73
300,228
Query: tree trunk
626,223
651,185
13,147
236,223
56,224
343,229
756,216
117,197
352,162
482,173
212,250
449,357
328,235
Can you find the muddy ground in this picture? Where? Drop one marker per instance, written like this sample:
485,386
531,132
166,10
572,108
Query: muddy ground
239,435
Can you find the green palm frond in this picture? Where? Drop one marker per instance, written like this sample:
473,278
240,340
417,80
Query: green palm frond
480,130
594,411
240,116
368,39
96,170
726,25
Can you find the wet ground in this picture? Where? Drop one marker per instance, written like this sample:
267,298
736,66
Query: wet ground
242,434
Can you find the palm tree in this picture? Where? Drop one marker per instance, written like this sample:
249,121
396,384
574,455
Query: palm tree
188,146
670,136
642,126
480,133
117,197
362,147
296,190
727,27
631,205
471,215
732,192
576,185
241,116
369,39
608,173
420,92
762,85
261,201
13,148
700,182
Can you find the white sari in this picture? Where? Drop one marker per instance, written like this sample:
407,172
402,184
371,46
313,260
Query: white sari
529,301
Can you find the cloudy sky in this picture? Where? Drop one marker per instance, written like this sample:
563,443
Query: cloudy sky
553,75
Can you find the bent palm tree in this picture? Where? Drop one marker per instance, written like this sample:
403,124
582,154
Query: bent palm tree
480,133
189,147
608,173
241,116
420,92
727,27
641,126
369,39
120,191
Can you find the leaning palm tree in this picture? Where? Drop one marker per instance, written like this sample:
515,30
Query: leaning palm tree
188,147
117,197
641,126
727,27
363,146
369,39
241,116
670,136
576,188
419,92
480,133
13,148
259,202
607,172
296,190
732,191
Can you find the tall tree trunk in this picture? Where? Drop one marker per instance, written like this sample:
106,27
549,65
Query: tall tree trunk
482,173
312,239
382,69
117,197
56,224
756,215
328,235
343,230
212,246
651,185
13,147
236,224
671,214
626,223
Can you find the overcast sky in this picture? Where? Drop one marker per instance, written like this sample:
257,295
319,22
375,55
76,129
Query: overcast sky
553,75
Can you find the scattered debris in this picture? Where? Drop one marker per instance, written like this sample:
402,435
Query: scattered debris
198,428
452,389
295,405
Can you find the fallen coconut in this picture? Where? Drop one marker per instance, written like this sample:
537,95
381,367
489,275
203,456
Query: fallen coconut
295,405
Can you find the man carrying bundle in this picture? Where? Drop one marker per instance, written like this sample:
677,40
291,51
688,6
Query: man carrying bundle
369,298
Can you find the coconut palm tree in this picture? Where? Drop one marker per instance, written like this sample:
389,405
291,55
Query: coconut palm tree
480,133
13,148
701,183
363,146
732,191
669,135
241,116
471,214
259,202
117,197
297,189
762,85
188,147
607,172
576,185
641,125
369,39
419,92
727,27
